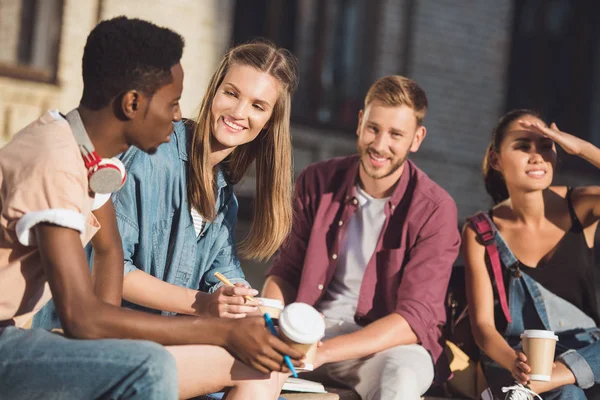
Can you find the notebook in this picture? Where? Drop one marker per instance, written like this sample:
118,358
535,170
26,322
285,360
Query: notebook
303,385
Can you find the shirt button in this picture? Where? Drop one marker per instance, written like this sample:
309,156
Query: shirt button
393,206
354,201
340,223
561,323
334,256
320,286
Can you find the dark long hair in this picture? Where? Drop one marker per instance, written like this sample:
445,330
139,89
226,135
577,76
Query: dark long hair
494,181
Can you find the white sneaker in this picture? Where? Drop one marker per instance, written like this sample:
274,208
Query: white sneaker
519,392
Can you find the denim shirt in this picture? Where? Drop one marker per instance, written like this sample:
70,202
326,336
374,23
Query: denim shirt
156,225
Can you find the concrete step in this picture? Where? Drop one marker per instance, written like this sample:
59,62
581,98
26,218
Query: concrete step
339,394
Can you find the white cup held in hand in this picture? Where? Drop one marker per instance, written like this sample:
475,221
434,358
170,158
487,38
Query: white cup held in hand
302,327
539,347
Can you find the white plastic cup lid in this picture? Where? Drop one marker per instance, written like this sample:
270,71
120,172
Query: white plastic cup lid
301,323
538,334
275,303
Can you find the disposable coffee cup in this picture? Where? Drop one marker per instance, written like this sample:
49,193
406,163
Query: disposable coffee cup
272,306
539,347
302,327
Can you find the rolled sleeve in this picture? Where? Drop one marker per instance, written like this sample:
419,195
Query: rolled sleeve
580,368
61,217
50,192
128,267
422,291
290,259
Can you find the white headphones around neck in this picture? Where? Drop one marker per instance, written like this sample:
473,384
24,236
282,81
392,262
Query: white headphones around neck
105,175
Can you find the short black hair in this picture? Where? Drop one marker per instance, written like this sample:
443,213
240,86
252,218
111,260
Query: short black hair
123,54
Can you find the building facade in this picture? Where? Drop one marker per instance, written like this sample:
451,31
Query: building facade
473,59
31,82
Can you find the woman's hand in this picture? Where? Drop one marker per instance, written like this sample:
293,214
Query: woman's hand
569,143
520,369
228,301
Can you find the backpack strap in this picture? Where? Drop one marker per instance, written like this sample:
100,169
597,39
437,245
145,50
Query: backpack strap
486,231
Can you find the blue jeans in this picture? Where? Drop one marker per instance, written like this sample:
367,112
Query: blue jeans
39,364
572,392
578,349
499,377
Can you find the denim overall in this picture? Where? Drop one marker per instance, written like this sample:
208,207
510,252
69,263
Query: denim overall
534,307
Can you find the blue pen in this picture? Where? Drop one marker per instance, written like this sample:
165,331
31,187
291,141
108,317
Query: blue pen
286,358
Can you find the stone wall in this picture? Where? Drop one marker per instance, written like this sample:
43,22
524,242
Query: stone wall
459,55
205,25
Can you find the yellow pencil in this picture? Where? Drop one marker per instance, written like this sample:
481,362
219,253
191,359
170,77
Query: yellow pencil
227,282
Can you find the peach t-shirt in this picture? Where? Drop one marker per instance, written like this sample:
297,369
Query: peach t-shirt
42,179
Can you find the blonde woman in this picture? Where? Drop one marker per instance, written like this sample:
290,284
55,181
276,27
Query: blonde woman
178,211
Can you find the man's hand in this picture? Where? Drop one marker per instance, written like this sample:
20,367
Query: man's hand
107,273
251,342
228,301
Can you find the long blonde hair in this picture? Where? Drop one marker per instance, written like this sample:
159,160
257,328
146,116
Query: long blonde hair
272,151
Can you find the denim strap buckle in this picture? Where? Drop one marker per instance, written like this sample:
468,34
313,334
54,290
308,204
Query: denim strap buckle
515,270
595,334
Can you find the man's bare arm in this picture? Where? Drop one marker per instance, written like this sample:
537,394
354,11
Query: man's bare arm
84,315
385,333
107,271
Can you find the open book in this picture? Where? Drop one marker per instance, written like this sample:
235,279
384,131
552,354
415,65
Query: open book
303,385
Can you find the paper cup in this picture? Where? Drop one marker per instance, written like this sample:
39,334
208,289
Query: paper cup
302,327
539,347
272,306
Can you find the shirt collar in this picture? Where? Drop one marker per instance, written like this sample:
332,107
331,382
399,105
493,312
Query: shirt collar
221,181
352,178
181,134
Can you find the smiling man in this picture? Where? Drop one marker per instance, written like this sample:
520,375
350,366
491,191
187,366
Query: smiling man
53,202
372,247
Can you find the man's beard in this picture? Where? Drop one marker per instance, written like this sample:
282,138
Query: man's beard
379,173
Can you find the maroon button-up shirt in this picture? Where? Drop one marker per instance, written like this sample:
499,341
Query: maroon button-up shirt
410,268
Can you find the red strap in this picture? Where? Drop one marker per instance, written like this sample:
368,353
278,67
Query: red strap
91,159
484,229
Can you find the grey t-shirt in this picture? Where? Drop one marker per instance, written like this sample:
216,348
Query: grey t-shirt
364,228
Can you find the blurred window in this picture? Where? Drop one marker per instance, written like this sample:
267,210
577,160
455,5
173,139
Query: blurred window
555,65
29,38
334,41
